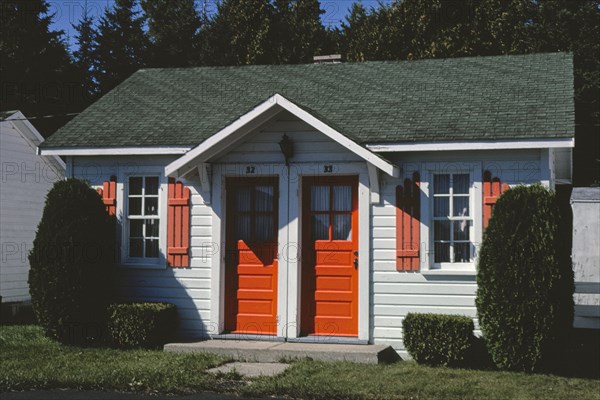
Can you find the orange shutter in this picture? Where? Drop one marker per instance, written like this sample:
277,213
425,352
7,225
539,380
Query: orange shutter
178,225
108,192
408,203
492,189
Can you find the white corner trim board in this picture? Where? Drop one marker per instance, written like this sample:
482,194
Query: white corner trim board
473,145
112,151
272,105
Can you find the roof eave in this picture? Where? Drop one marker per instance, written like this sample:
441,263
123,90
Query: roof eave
113,151
514,144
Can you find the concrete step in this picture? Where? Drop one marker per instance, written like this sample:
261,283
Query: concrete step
268,352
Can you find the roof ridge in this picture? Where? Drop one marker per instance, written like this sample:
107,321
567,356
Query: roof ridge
353,63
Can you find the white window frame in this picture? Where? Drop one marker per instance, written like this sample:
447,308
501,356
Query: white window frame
123,211
428,264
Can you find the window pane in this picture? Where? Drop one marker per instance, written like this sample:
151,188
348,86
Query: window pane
135,185
442,252
441,184
342,198
441,230
135,206
461,206
135,247
242,199
152,228
264,228
441,206
320,227
151,206
242,228
151,248
461,230
342,227
152,185
136,228
460,183
264,198
319,198
462,252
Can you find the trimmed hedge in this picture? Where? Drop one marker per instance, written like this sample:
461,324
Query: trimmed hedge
438,339
72,264
525,280
147,325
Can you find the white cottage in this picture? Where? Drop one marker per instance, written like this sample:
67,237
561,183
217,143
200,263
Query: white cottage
26,178
317,202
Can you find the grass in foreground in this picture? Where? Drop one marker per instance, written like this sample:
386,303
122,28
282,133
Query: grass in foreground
30,361
407,380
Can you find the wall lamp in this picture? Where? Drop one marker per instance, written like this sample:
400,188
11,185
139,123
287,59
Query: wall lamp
287,148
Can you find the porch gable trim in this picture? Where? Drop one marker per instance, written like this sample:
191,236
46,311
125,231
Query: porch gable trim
262,113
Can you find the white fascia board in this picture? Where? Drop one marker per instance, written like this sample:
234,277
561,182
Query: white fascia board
277,100
349,144
473,145
198,151
112,151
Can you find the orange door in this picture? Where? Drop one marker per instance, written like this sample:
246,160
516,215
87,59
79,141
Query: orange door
330,257
251,256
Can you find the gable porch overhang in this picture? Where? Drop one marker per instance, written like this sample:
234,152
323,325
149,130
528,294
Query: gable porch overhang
235,132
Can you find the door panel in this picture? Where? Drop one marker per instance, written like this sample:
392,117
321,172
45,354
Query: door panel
251,262
330,251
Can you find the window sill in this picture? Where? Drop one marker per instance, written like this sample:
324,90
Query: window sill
450,272
142,266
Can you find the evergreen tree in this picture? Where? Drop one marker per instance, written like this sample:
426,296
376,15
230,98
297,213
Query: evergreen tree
504,26
371,34
239,33
121,44
173,32
297,33
84,55
34,64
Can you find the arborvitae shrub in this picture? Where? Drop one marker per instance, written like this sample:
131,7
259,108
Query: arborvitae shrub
147,325
72,264
525,280
438,339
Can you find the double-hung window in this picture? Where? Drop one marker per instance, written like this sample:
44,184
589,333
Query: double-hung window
452,219
143,219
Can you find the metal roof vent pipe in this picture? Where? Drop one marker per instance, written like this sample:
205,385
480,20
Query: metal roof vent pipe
328,59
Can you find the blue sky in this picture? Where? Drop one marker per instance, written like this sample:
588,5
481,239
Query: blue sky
68,12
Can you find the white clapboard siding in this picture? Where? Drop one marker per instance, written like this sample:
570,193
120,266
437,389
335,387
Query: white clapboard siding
188,289
26,179
585,203
395,294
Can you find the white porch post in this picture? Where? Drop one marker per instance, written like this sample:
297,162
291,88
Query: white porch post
364,251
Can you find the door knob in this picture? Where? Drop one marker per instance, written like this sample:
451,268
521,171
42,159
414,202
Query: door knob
356,263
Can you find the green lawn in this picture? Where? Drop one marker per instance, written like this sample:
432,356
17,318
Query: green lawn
28,360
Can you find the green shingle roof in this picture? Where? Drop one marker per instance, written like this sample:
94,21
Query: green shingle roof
479,98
